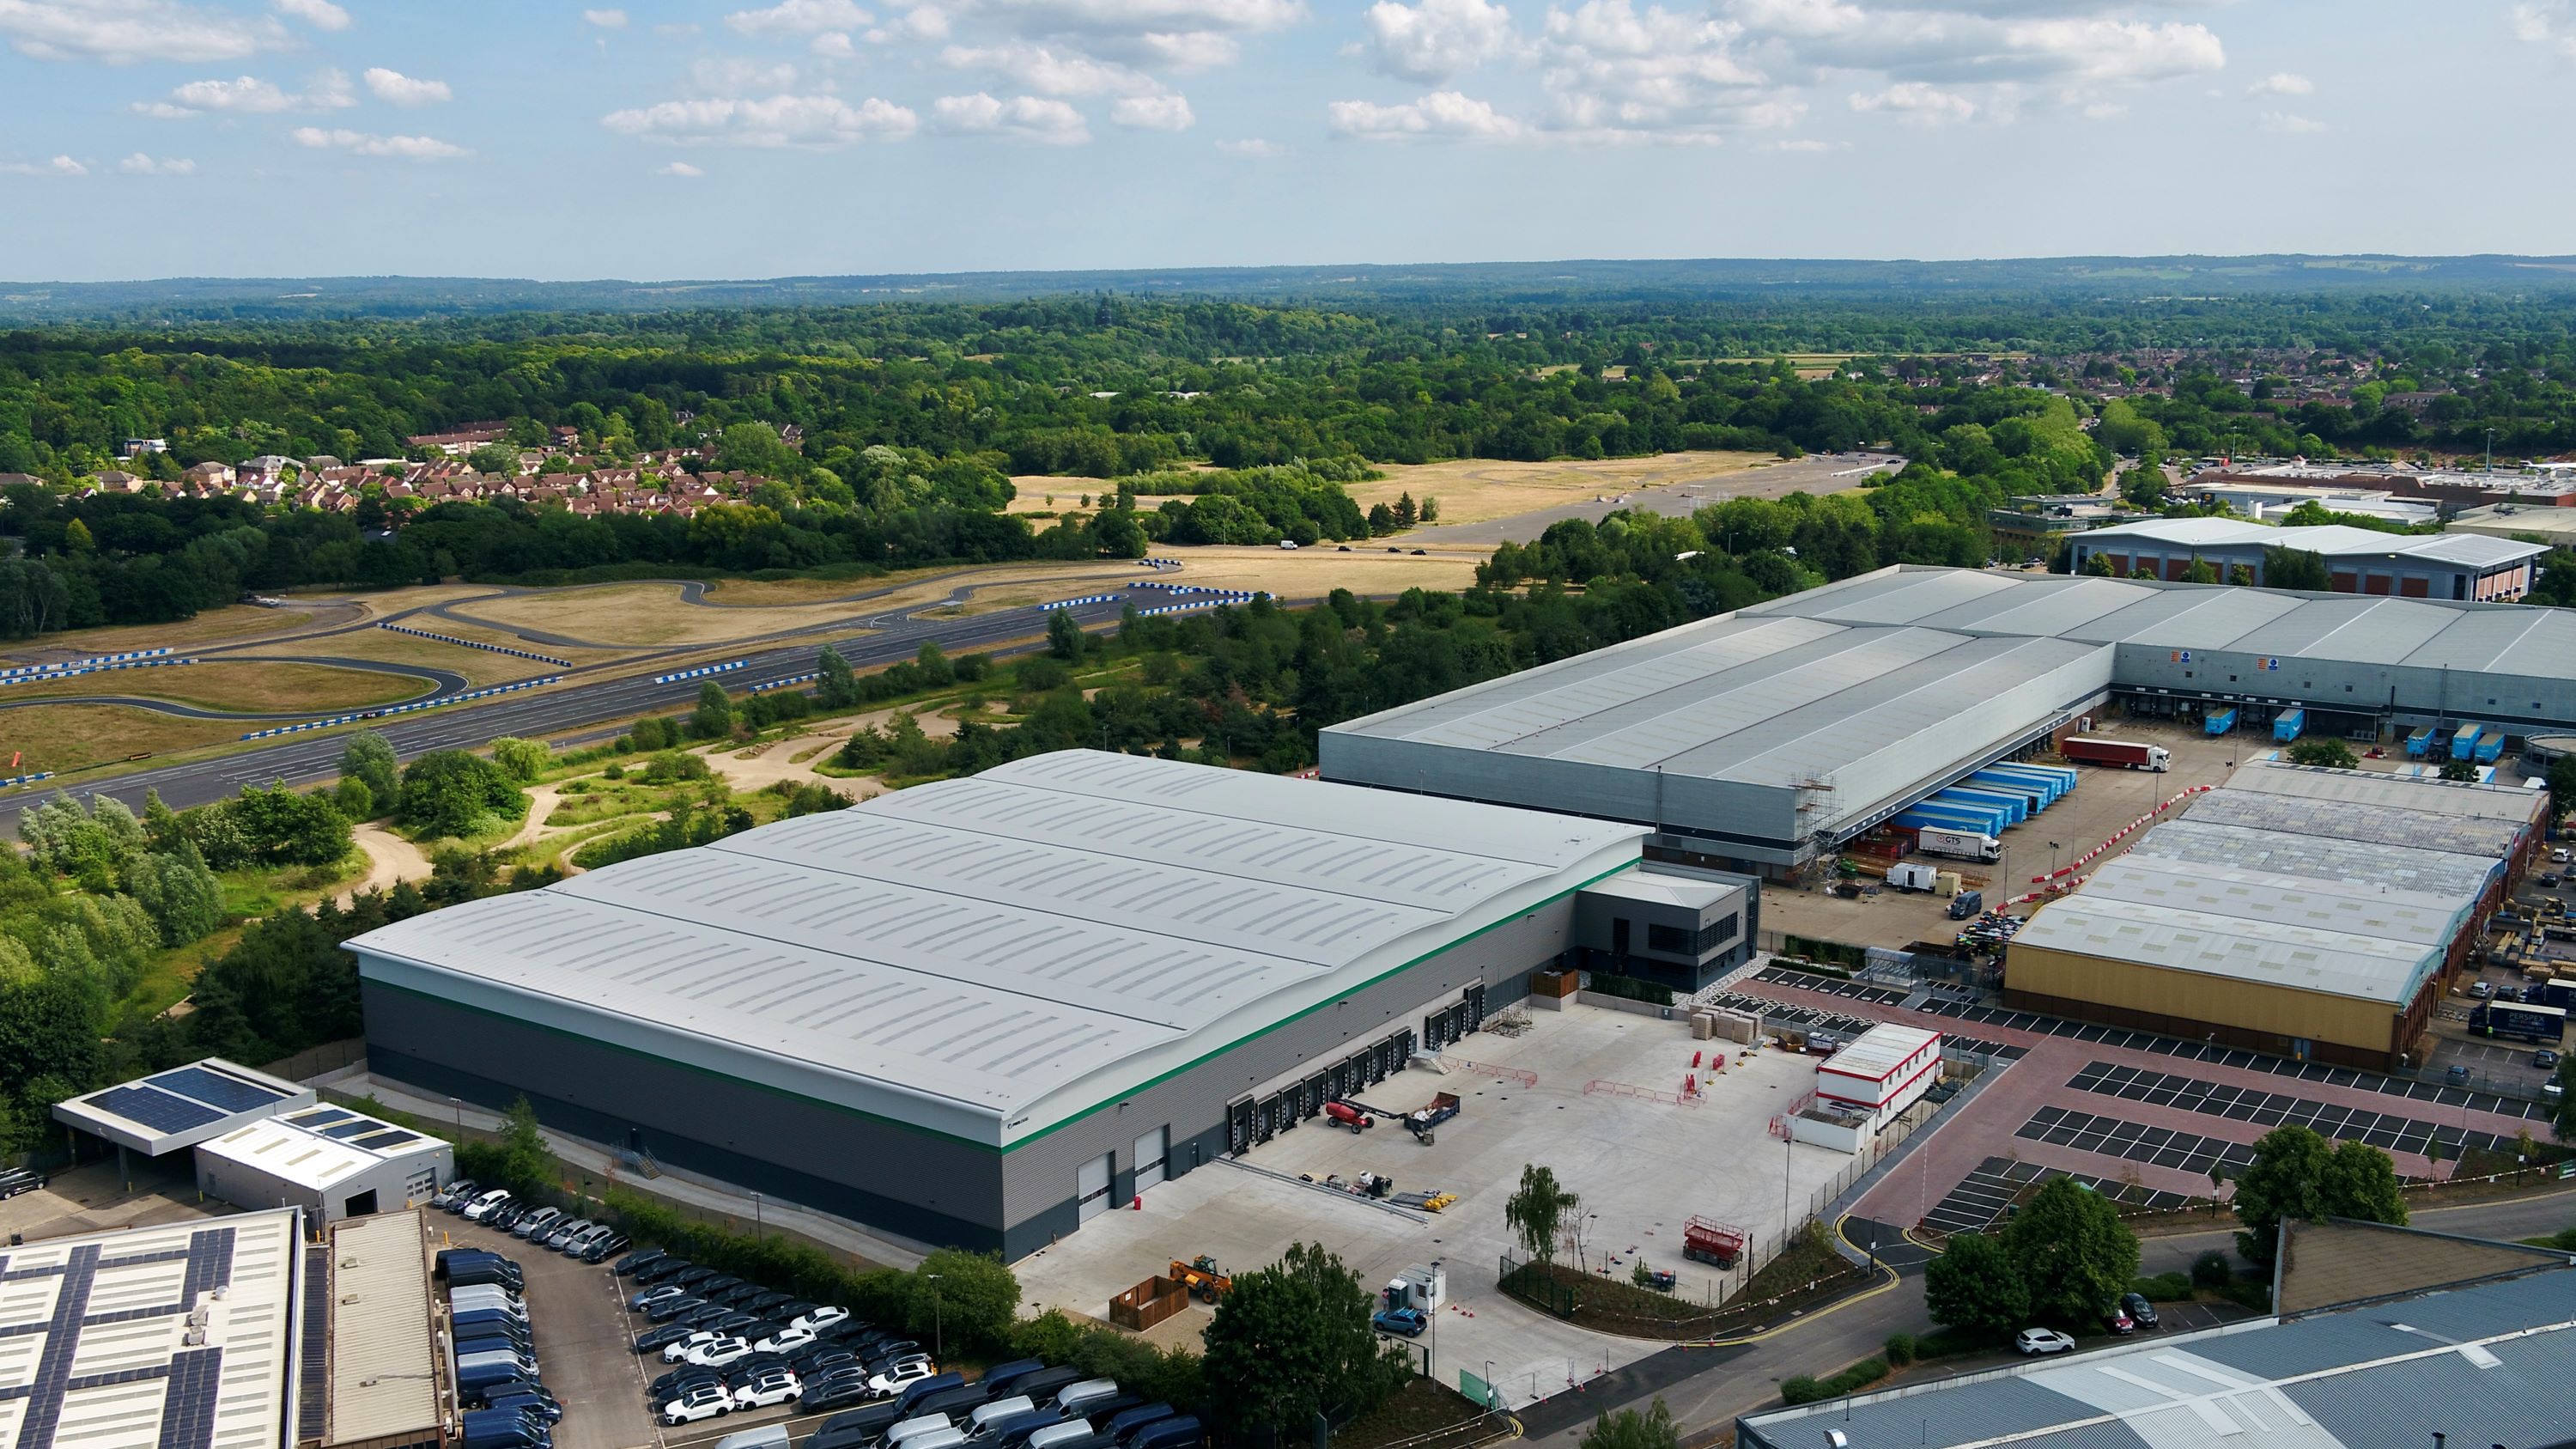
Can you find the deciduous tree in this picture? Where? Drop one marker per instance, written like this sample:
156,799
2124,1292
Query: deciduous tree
1536,1213
2074,1253
1976,1287
1292,1341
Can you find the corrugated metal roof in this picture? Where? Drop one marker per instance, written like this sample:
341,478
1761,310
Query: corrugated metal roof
2488,1363
2332,541
985,942
2377,909
2205,842
2512,805
383,1367
2372,824
2296,957
295,1148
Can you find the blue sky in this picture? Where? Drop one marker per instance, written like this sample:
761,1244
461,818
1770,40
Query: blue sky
143,138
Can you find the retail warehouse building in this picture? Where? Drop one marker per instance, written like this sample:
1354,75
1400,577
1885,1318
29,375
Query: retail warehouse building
981,1011
1767,738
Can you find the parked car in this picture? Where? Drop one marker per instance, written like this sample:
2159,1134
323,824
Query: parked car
2141,1312
637,1261
659,1292
717,1351
563,1231
2545,1059
2481,989
787,1340
457,1195
767,1299
1407,1322
654,1340
598,1245
2034,1341
2458,1075
2116,1318
702,1401
663,1310
835,1391
777,1386
819,1318
484,1206
901,1376
661,1269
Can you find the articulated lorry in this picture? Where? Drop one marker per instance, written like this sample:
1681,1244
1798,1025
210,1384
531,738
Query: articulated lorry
2131,754
1963,844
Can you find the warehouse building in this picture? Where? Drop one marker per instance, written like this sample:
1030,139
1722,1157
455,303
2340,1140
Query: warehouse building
2482,1360
2308,912
2457,566
181,1336
175,1110
1750,742
980,1011
384,1374
332,1162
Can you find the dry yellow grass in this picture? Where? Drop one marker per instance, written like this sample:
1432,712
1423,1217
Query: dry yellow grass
215,625
1472,490
60,737
248,686
641,614
1311,573
480,667
1065,495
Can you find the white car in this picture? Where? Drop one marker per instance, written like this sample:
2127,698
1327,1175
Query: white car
768,1389
484,1206
2032,1341
820,1319
723,1351
674,1352
900,1376
706,1401
786,1340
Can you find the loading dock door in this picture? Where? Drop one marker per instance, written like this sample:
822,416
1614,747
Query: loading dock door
1238,1125
1151,1149
1475,1005
1091,1189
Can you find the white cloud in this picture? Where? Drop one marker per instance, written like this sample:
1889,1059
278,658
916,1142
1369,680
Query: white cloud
1139,17
2104,50
59,166
1808,146
832,45
1187,49
1027,118
2544,22
140,164
2282,83
776,121
1153,113
2285,124
679,168
1617,73
367,143
121,32
1051,72
736,76
1437,39
247,96
1253,148
403,90
799,17
1441,113
606,19
328,90
921,22
1918,104
320,14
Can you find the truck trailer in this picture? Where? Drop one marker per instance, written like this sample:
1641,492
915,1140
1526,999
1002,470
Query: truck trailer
2287,724
1963,844
2464,742
2130,754
2220,721
2546,1025
2418,743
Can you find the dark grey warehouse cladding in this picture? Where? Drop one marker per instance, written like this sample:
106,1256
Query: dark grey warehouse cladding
921,1185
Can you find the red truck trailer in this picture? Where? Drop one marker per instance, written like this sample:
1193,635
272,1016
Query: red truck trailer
2129,754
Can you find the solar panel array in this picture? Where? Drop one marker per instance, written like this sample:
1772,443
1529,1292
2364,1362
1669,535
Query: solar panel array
155,1109
53,1372
232,1094
391,1137
188,1406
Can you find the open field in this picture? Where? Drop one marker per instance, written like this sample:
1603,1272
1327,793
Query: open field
242,686
639,614
480,667
225,625
62,737
1311,573
1472,490
1066,495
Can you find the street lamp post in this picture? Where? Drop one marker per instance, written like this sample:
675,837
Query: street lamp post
938,1335
758,1232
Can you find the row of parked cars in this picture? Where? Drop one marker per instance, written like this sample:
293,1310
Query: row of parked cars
546,1227
1020,1405
503,1394
735,1344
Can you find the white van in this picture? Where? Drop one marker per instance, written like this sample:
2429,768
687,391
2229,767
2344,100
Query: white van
1089,1391
935,1439
1064,1433
767,1436
981,1422
915,1427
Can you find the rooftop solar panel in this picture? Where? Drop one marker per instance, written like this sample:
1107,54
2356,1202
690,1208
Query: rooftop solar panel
320,1117
354,1127
232,1094
188,1406
389,1138
155,1109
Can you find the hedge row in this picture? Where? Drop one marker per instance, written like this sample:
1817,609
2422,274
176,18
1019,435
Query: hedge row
1805,1390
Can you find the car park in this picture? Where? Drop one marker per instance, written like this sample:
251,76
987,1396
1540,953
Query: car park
777,1386
457,1195
2140,1311
484,1206
535,1222
702,1401
2031,1342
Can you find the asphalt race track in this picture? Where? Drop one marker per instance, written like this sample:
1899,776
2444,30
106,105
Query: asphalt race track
551,715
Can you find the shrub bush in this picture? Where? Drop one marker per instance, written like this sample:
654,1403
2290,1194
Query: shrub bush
2210,1270
2163,1288
1850,1381
1900,1349
1802,1389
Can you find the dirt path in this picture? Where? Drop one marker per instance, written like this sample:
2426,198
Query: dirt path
541,803
779,760
391,860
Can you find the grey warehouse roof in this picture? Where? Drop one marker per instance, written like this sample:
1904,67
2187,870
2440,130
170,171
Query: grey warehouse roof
2201,842
994,956
2375,787
1760,701
2489,1363
2511,639
2254,926
2344,820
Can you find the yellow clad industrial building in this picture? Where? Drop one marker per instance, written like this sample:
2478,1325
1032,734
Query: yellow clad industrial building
2310,913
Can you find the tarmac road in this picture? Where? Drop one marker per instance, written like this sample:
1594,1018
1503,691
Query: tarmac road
552,714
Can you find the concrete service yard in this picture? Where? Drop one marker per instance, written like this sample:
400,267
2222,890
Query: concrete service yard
1642,1167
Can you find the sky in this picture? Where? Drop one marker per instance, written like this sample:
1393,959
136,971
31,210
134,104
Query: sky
155,138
